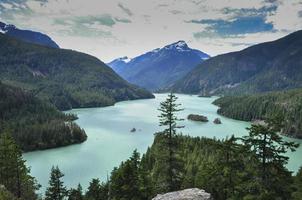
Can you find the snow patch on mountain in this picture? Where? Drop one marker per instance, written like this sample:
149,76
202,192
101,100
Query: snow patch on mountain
179,46
124,59
155,50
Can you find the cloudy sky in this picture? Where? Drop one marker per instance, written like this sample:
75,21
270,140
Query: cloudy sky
113,28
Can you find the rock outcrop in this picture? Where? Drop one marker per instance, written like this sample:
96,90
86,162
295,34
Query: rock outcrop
187,194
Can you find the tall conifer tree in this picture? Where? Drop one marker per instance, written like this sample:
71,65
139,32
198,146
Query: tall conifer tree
268,149
14,174
56,189
169,119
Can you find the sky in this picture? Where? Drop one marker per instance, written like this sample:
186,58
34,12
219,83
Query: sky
109,29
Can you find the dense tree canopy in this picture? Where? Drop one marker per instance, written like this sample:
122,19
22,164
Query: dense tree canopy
14,175
56,189
286,104
35,124
66,78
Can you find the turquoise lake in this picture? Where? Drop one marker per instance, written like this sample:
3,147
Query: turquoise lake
110,140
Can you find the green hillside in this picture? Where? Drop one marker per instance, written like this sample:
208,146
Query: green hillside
35,124
66,78
270,66
262,106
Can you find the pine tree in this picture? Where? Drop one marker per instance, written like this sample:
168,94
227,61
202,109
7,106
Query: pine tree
6,195
56,189
14,174
98,190
145,178
168,119
134,179
231,166
125,181
297,194
76,194
269,150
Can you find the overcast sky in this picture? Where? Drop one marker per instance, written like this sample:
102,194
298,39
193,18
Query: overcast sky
109,29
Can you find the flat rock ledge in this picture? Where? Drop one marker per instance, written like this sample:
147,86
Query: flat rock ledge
187,194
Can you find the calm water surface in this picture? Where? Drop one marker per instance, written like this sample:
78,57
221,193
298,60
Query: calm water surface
110,140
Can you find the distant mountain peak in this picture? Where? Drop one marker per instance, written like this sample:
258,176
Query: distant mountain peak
180,46
9,26
2,25
159,67
2,28
180,43
27,35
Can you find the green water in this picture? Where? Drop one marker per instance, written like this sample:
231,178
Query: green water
110,140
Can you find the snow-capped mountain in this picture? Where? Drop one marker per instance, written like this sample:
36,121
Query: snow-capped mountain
27,35
160,67
119,63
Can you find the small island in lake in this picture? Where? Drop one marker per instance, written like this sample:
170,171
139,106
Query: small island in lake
205,95
217,121
199,118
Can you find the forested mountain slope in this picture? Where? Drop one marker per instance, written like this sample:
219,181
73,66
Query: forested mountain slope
35,124
66,78
287,104
269,66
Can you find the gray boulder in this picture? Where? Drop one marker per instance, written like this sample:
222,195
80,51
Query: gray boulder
187,194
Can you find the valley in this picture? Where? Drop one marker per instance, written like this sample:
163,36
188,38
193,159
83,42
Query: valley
101,127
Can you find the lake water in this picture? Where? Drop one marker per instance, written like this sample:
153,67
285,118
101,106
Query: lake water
110,140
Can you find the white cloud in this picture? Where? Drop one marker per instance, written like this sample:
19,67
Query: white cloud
143,25
287,16
216,46
7,5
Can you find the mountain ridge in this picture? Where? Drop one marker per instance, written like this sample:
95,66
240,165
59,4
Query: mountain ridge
269,66
27,35
159,67
66,78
